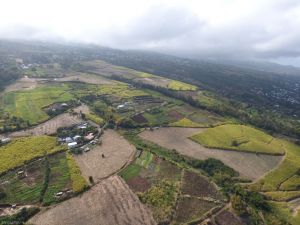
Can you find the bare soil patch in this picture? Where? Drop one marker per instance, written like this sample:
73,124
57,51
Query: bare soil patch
249,165
226,217
139,118
23,83
49,127
117,152
175,115
195,185
109,202
138,184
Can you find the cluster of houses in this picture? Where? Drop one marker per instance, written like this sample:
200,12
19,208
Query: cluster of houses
89,138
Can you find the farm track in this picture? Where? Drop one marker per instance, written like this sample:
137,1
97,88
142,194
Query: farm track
109,202
249,165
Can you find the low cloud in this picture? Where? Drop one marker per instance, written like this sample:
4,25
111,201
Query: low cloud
265,29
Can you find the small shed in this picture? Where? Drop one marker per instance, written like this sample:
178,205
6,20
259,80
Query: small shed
72,145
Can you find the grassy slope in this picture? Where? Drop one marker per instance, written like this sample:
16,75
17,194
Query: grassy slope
78,182
247,138
287,169
28,104
22,150
180,86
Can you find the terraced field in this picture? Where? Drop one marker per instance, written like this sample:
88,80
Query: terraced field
239,138
249,165
85,78
109,202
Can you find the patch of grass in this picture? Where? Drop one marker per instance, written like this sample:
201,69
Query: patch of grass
130,172
29,104
22,150
96,119
145,159
287,169
239,137
282,195
162,199
79,184
180,86
185,122
291,184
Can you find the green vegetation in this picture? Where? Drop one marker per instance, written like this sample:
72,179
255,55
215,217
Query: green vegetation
130,171
59,177
241,138
162,199
22,189
145,159
282,195
29,104
22,150
96,119
180,86
185,122
286,170
79,184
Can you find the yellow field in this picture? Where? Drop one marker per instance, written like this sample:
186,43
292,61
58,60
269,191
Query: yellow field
185,122
22,150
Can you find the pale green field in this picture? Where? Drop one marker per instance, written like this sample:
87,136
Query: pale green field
185,122
282,195
22,150
180,86
241,138
28,104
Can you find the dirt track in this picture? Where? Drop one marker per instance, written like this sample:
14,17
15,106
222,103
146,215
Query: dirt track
117,152
110,202
85,78
249,165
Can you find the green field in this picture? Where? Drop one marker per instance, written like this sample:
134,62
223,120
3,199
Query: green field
59,178
29,104
241,138
180,86
22,150
23,190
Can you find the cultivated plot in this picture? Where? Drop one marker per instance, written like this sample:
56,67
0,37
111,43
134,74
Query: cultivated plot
249,165
106,159
109,202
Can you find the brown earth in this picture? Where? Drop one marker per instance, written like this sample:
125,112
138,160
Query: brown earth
249,165
226,217
138,184
109,202
196,185
139,118
175,115
117,152
21,84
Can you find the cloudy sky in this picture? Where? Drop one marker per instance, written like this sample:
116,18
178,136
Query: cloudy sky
259,29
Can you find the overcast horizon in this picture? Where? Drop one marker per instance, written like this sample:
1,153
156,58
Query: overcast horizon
266,30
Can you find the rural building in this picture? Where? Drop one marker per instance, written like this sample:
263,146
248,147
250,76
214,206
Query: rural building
72,145
89,137
5,140
75,138
68,140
